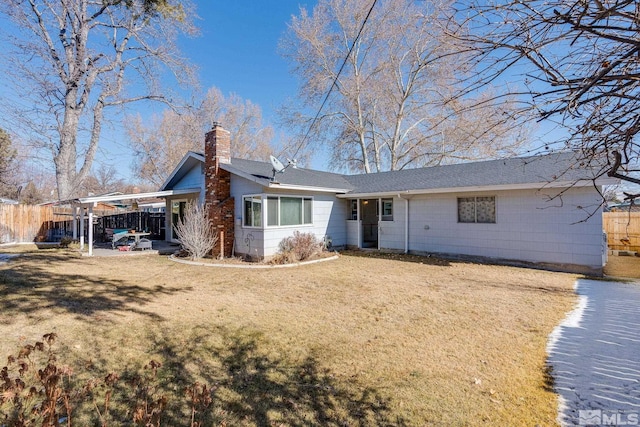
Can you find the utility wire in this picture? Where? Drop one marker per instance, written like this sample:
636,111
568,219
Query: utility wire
335,80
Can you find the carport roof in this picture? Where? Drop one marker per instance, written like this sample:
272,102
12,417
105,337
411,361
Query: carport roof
91,200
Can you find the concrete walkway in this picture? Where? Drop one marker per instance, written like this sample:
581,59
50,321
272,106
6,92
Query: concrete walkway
160,247
595,356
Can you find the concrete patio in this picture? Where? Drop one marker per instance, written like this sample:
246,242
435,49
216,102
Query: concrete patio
160,247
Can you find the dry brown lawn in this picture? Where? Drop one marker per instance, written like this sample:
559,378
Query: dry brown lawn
362,340
623,266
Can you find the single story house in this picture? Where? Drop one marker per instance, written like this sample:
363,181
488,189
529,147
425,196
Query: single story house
538,209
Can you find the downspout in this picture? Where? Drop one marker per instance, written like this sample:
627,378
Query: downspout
379,221
359,223
406,223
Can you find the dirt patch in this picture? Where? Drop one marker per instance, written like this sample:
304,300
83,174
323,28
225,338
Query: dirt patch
242,262
623,266
360,340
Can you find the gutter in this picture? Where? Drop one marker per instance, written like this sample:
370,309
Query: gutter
406,222
308,188
502,187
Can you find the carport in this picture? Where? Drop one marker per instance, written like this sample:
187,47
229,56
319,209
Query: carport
85,205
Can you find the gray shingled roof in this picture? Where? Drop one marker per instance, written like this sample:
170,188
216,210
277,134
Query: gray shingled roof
263,171
557,167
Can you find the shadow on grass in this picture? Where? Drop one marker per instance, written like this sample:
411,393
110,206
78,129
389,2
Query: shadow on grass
251,386
548,379
29,285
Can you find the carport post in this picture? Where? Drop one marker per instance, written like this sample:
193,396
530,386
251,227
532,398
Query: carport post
82,228
91,230
74,221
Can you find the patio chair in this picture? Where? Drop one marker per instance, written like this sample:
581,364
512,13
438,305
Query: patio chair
144,244
118,234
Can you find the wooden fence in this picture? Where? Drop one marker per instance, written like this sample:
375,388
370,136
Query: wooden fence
27,223
623,230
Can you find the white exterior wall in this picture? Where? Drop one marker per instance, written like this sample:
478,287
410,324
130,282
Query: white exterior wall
391,234
329,214
528,227
352,233
248,241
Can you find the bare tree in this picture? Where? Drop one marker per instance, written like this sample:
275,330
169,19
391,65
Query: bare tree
391,106
76,58
30,195
195,232
578,62
7,165
160,146
103,179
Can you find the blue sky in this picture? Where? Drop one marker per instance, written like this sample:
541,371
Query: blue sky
238,49
237,52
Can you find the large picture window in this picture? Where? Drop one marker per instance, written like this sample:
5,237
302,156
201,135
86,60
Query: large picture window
477,209
281,211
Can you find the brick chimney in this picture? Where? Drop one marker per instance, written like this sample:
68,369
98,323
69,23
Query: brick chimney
217,182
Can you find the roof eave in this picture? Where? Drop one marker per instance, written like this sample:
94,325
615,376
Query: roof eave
90,201
278,185
480,188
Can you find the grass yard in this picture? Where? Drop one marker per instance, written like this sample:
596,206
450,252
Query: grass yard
363,340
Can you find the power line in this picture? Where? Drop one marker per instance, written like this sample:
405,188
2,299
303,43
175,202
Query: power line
335,80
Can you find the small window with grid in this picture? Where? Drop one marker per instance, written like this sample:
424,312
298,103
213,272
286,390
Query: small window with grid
477,210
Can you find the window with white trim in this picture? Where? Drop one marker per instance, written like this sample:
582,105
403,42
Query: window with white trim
280,210
387,210
477,209
353,204
252,211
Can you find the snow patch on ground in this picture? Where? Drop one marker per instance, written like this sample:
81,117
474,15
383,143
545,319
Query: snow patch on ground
572,320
